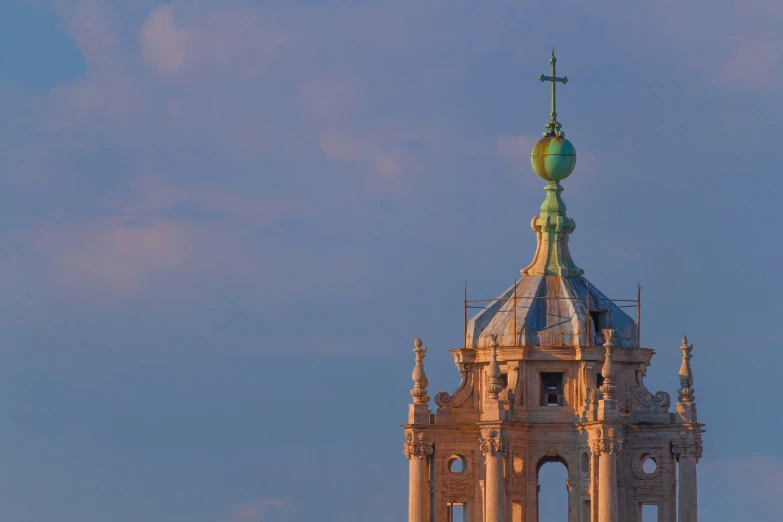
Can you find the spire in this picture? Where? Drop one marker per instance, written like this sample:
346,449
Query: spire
607,372
493,373
553,159
553,128
419,391
686,374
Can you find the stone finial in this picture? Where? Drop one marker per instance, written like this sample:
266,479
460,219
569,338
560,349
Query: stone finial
493,372
607,372
686,374
419,391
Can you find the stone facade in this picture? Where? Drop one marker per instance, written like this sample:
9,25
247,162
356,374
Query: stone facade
552,370
484,444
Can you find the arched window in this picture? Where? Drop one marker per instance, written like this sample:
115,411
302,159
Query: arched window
553,490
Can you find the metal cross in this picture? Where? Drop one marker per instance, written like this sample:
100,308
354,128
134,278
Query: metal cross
553,127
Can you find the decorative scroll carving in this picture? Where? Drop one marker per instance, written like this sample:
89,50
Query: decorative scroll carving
493,442
643,399
461,394
462,487
415,446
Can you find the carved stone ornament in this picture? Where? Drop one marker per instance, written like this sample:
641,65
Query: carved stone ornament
446,401
415,446
643,399
686,374
493,373
607,372
493,442
419,391
462,487
637,466
611,443
687,447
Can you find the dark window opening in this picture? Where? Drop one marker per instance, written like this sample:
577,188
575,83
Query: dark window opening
598,324
599,380
552,389
503,380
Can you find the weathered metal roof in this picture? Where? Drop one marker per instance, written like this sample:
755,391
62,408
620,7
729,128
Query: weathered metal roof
551,311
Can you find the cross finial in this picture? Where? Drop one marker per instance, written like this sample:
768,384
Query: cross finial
553,128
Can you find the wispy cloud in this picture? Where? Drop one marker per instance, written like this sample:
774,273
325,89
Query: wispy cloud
256,510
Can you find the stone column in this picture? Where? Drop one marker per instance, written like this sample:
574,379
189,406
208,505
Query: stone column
688,452
594,486
418,452
606,446
493,446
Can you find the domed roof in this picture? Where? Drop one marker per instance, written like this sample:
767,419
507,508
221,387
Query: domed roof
551,311
552,305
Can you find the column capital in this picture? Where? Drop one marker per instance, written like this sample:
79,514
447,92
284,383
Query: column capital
610,441
687,446
493,442
416,446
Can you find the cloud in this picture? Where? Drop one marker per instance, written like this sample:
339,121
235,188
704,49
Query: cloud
516,149
755,64
256,510
154,195
163,43
391,162
180,41
114,254
106,93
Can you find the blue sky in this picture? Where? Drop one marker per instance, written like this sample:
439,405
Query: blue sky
225,221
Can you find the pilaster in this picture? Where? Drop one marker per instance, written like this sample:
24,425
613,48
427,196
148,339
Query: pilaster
688,451
494,447
418,451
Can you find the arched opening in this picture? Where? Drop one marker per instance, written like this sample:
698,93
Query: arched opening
649,465
552,490
457,464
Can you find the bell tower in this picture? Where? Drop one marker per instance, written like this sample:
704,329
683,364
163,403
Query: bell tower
552,370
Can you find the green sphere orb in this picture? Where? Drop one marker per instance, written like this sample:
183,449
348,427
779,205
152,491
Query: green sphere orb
553,158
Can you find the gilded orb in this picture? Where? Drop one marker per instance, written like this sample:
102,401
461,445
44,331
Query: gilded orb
553,158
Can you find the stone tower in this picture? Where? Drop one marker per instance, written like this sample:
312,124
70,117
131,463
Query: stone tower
552,370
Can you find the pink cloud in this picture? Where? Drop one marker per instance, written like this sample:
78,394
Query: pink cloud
255,510
139,251
152,195
754,63
112,255
383,160
516,149
106,92
163,43
182,39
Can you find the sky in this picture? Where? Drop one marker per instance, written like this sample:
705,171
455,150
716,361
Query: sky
223,222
